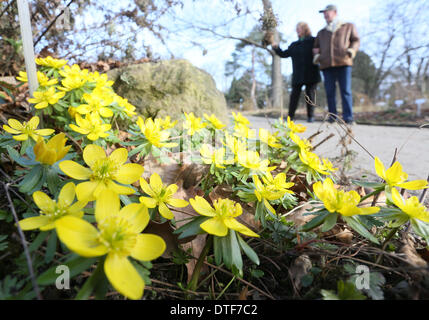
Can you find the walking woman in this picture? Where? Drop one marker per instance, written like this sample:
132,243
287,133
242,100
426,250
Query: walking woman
305,73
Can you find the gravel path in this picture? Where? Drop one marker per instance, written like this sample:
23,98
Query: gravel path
380,141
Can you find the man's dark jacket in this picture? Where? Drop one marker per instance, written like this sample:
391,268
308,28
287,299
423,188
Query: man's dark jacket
304,71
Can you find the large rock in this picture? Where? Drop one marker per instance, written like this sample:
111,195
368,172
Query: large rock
169,87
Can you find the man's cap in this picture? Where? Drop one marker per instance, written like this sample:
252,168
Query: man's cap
329,7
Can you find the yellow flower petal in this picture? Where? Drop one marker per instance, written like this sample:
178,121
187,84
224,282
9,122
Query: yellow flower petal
119,189
15,124
21,137
123,276
156,183
10,130
413,185
67,194
85,190
107,204
179,203
79,236
137,214
201,206
34,222
129,173
92,153
165,212
214,226
75,170
119,156
43,201
148,247
146,188
233,224
33,122
148,202
379,167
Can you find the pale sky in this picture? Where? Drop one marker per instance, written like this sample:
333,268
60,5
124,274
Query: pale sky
206,13
288,12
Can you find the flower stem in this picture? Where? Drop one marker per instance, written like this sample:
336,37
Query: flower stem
385,243
196,274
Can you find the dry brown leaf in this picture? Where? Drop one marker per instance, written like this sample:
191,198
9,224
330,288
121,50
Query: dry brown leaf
244,293
300,267
297,217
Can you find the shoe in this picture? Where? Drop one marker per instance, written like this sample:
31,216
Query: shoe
310,119
350,122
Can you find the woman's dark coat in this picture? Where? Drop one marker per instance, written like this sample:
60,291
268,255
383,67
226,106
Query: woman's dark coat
304,71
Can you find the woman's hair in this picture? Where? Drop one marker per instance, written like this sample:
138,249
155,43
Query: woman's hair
305,28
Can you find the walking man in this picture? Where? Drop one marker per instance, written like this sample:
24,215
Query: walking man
334,50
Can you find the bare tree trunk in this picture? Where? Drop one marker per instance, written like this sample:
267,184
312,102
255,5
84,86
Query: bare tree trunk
253,89
276,69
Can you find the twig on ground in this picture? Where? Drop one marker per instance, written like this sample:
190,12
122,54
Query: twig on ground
24,243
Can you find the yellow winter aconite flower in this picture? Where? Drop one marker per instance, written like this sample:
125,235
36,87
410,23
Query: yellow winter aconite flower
92,126
328,165
251,160
102,173
265,193
51,210
154,134
52,151
239,118
95,104
193,124
160,196
395,177
165,123
243,131
217,157
235,145
339,201
118,236
214,121
299,128
51,62
270,139
412,207
278,183
101,80
312,161
129,109
41,78
43,99
222,216
25,130
303,144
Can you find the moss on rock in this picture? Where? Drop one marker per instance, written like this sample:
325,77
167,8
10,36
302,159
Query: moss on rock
169,87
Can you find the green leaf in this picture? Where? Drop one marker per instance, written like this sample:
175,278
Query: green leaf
315,222
329,222
18,159
235,251
226,250
359,228
32,179
51,247
76,265
217,249
91,284
250,253
192,228
36,243
376,281
366,184
421,228
53,181
345,291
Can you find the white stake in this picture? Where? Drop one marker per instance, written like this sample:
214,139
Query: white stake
27,44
